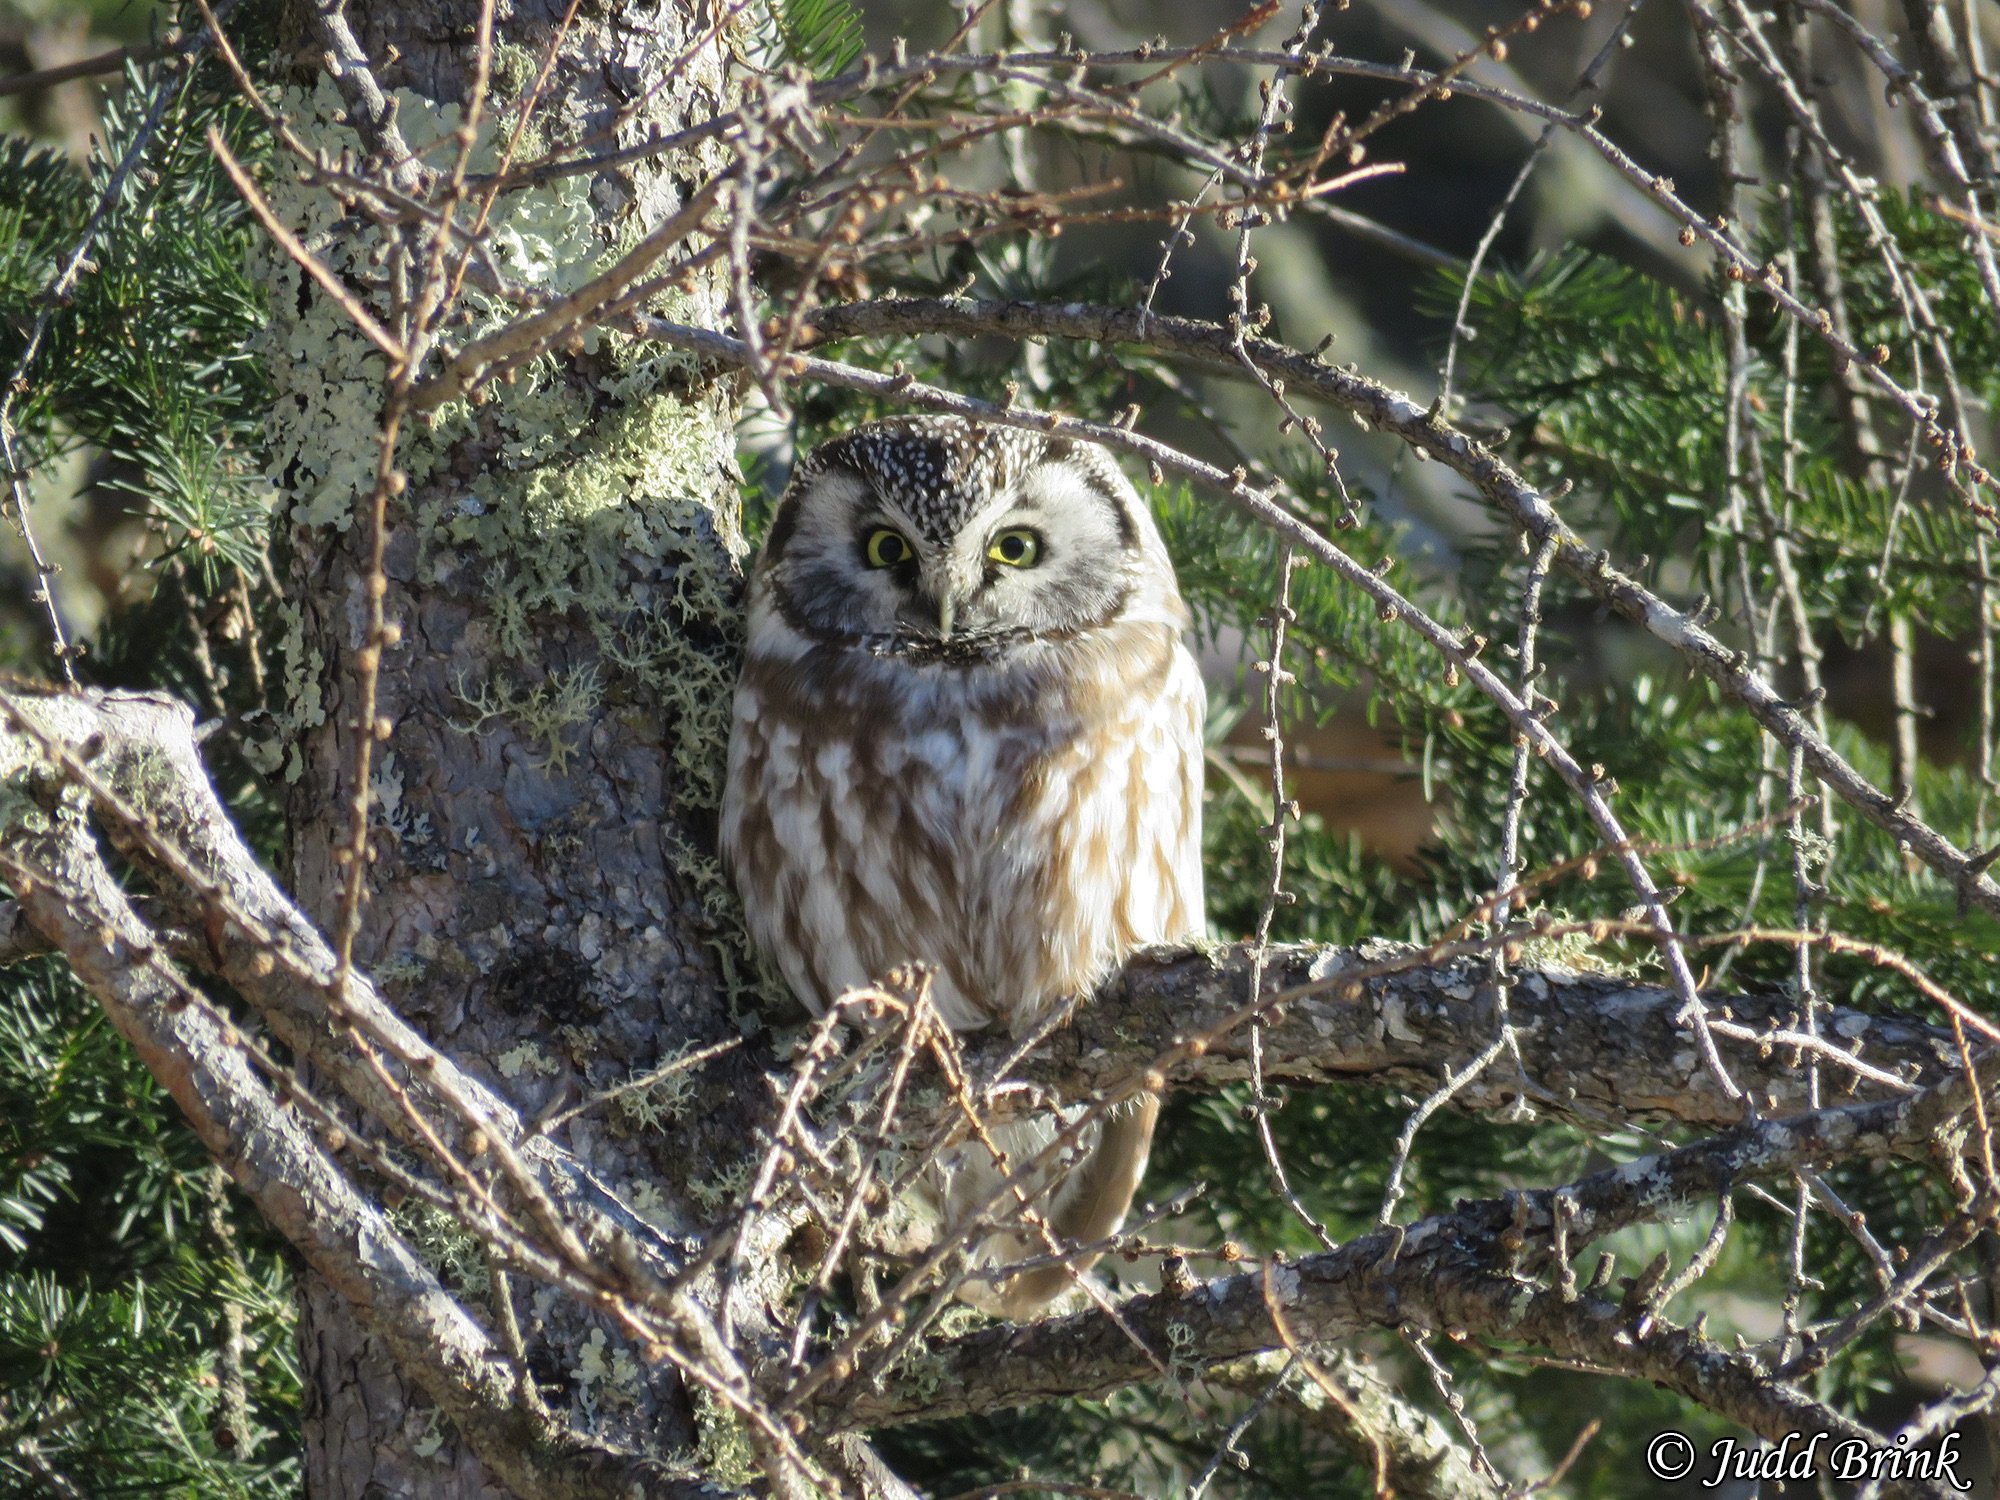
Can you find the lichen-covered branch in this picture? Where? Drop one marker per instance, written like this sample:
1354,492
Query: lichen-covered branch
66,892
1598,1046
1480,1271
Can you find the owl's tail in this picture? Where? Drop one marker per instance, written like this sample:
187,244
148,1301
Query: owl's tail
1086,1200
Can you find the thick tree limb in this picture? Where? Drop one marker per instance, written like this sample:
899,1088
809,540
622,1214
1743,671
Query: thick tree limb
1600,1046
20,940
67,893
1474,1271
135,756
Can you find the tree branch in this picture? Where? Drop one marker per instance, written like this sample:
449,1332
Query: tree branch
1504,489
367,104
68,894
1474,1271
1601,1046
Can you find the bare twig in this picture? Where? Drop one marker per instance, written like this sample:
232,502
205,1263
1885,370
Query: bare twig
1514,497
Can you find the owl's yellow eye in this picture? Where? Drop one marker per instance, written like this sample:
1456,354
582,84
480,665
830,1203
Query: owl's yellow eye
1017,547
886,548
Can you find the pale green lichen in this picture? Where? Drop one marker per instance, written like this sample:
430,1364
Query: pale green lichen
425,1426
649,1203
722,1444
657,1104
1569,944
526,1059
413,830
545,713
601,1381
301,704
712,1195
920,1366
147,773
512,70
1814,849
561,539
400,967
445,1245
26,792
322,435
1182,1367
921,1371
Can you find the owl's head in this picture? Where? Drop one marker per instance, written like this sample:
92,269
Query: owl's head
941,532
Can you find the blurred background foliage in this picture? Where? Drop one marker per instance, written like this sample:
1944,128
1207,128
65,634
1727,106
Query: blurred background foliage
144,1324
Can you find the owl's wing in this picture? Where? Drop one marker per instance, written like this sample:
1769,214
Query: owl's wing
1163,898
1156,874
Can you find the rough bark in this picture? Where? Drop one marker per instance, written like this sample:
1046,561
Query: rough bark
1497,1270
1595,1046
559,569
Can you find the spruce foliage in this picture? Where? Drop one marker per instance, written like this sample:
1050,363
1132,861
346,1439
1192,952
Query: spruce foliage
123,1270
146,1342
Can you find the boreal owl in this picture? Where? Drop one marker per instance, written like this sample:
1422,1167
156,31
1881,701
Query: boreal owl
967,733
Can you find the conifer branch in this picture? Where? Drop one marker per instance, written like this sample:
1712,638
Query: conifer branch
1481,1270
1516,499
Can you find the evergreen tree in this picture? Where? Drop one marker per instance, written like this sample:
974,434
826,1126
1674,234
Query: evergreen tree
401,389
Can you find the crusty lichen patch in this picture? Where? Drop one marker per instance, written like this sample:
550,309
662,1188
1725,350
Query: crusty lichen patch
604,1374
555,530
588,502
582,481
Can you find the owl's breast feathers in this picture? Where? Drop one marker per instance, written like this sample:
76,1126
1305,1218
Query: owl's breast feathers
1021,824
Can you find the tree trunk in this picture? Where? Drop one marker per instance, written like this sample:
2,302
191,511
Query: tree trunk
561,569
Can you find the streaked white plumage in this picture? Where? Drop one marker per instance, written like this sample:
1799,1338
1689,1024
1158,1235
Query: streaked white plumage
967,734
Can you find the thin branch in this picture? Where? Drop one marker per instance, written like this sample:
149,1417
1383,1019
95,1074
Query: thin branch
113,61
1516,499
1475,1269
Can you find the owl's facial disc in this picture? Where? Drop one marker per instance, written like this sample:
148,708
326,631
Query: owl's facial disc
947,593
1044,555
900,543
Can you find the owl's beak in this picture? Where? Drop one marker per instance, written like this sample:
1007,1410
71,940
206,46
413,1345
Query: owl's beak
944,588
